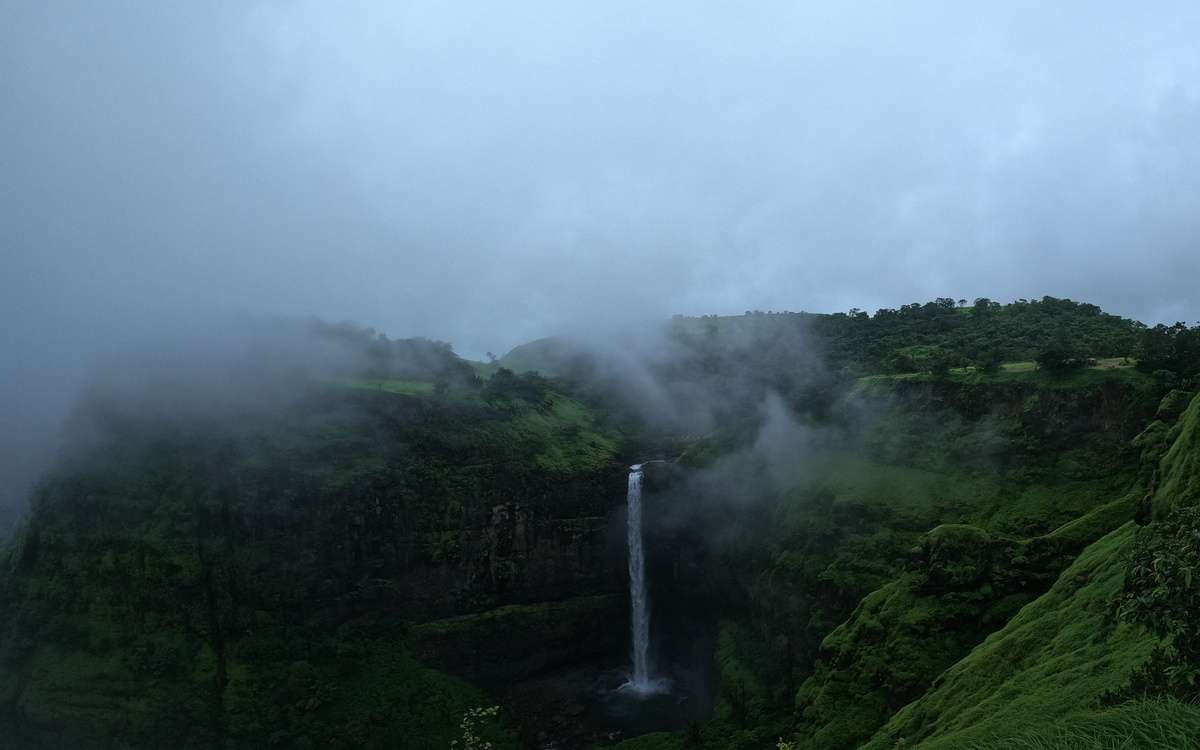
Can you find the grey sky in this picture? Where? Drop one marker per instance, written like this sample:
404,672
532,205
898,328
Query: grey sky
487,173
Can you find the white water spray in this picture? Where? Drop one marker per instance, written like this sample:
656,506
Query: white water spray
641,681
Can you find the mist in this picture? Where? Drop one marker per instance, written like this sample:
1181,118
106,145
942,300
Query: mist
489,174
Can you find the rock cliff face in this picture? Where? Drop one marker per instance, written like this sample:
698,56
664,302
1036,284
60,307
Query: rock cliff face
518,641
535,589
202,564
551,546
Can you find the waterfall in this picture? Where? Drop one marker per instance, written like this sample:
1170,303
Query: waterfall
639,615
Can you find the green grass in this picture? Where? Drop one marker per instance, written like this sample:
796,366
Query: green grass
385,385
959,585
1143,725
653,741
920,498
563,437
1054,658
392,700
1026,372
1179,470
1018,367
546,356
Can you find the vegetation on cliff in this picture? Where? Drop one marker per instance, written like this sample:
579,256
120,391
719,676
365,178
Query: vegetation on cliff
253,578
898,542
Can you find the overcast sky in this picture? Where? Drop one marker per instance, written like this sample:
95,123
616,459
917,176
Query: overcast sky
487,173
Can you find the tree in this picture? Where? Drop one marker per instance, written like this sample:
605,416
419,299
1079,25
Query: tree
990,361
1175,348
1161,594
1059,357
902,363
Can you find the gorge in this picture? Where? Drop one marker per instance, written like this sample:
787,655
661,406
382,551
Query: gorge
369,562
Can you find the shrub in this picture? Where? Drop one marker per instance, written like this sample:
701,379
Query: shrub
1162,593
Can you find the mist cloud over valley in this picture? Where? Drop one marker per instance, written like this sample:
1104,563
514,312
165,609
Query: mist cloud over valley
329,334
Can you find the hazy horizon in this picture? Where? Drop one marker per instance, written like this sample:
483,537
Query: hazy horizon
490,174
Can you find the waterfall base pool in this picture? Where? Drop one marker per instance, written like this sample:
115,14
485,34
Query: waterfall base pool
645,688
587,705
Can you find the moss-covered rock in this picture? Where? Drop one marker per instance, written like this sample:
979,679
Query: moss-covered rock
952,557
1173,405
1178,478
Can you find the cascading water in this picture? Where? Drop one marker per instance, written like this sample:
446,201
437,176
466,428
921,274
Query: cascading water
639,617
641,681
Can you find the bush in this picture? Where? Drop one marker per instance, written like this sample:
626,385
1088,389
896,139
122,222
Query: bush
902,364
1162,593
990,361
1058,359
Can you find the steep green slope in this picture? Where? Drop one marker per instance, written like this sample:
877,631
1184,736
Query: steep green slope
1056,657
960,585
1038,679
1178,481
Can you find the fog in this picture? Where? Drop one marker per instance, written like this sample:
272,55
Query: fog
490,173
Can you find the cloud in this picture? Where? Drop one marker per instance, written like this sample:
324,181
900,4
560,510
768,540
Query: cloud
487,173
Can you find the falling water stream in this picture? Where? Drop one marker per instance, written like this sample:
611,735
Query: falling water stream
651,697
641,681
639,616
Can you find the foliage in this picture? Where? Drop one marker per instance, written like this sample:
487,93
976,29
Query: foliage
960,585
1179,470
473,723
383,359
1059,357
506,388
989,361
1059,654
813,535
725,365
247,581
1174,348
282,579
744,697
1162,593
986,331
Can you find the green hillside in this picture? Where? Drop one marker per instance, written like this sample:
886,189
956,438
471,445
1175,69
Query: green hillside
978,554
